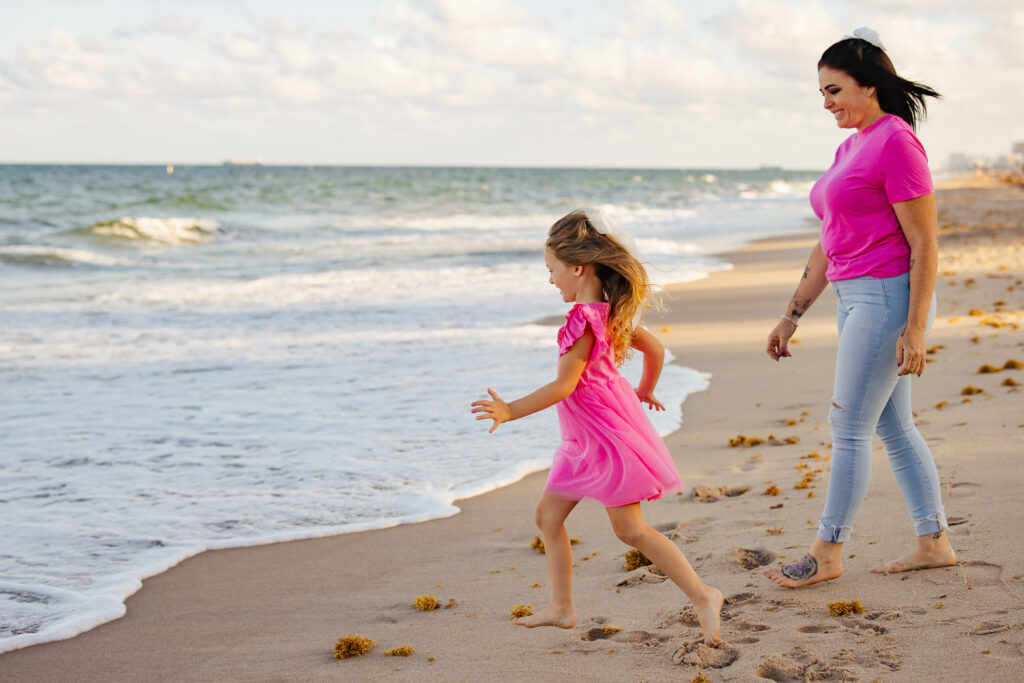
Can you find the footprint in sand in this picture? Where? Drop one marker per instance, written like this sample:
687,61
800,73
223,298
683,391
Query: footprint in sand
870,659
752,558
814,628
636,577
963,489
977,573
747,626
611,633
696,653
800,665
709,494
675,531
1005,641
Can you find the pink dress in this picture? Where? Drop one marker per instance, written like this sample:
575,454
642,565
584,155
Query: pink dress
610,451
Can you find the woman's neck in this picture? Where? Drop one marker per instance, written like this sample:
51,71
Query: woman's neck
871,119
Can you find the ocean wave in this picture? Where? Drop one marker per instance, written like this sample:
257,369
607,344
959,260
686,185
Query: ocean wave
160,230
33,255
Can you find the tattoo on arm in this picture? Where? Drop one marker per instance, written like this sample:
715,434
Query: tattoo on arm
807,269
912,262
798,306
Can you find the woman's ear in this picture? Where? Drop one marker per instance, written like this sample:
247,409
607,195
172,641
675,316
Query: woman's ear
578,270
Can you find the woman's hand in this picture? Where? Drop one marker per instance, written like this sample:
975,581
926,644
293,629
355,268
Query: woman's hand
496,410
778,340
647,396
910,352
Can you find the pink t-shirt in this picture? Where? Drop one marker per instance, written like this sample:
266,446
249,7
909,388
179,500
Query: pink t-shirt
882,165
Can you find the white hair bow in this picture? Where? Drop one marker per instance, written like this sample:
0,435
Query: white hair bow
599,220
868,34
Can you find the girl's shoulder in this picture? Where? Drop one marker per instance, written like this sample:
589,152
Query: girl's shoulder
594,314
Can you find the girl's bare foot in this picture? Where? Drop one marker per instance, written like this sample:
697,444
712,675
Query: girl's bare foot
550,616
805,571
709,614
931,551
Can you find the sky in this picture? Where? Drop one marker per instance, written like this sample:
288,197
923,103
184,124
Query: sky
564,83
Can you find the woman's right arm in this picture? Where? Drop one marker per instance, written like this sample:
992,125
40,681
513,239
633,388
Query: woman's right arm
812,284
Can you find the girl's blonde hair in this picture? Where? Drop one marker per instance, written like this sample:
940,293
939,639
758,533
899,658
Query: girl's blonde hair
576,242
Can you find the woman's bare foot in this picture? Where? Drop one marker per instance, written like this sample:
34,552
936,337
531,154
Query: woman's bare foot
806,571
550,616
931,551
709,614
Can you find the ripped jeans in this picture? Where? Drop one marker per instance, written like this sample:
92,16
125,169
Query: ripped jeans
869,397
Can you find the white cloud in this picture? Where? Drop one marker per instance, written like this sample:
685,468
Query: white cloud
645,17
499,81
242,48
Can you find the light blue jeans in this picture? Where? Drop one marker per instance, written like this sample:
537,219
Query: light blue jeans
870,397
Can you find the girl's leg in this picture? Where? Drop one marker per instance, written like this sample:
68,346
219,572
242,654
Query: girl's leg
551,514
915,471
629,525
871,315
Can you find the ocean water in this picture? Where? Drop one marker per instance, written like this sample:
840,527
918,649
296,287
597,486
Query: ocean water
228,356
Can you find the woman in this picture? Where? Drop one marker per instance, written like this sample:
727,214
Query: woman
878,249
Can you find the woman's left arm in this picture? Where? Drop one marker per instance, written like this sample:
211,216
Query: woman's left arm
920,224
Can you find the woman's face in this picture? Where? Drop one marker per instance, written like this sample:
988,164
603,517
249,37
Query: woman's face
852,105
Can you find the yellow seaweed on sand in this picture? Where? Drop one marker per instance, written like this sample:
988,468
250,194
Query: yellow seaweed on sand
400,651
425,603
521,611
353,646
634,560
841,608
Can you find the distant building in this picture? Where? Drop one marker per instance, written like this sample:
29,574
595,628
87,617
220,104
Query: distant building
1018,148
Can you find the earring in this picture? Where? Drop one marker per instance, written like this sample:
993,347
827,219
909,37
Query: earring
871,91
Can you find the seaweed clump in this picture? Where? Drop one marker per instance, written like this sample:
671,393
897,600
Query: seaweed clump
425,603
538,543
987,369
971,390
1013,365
1010,382
400,651
521,611
772,490
353,646
840,608
700,678
748,441
635,559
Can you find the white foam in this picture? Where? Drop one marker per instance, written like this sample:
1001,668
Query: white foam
30,254
171,231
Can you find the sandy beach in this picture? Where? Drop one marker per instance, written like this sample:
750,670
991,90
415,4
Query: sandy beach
274,612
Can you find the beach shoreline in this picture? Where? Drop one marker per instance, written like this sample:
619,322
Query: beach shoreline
274,611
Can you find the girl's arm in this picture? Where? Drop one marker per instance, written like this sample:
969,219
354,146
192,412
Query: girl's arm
654,359
570,369
812,284
920,226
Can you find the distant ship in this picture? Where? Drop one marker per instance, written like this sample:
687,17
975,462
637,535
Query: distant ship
258,161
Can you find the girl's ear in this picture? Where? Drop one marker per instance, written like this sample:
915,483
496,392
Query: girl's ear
578,270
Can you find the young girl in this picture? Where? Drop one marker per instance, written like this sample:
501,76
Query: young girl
610,451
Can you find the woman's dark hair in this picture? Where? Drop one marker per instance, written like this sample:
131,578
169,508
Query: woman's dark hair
872,68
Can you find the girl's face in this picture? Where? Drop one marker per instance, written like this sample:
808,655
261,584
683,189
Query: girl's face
563,276
852,104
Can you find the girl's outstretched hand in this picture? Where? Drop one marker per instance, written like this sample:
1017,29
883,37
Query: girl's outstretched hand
648,398
496,410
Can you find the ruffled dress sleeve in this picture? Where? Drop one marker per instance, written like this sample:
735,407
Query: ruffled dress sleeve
576,323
